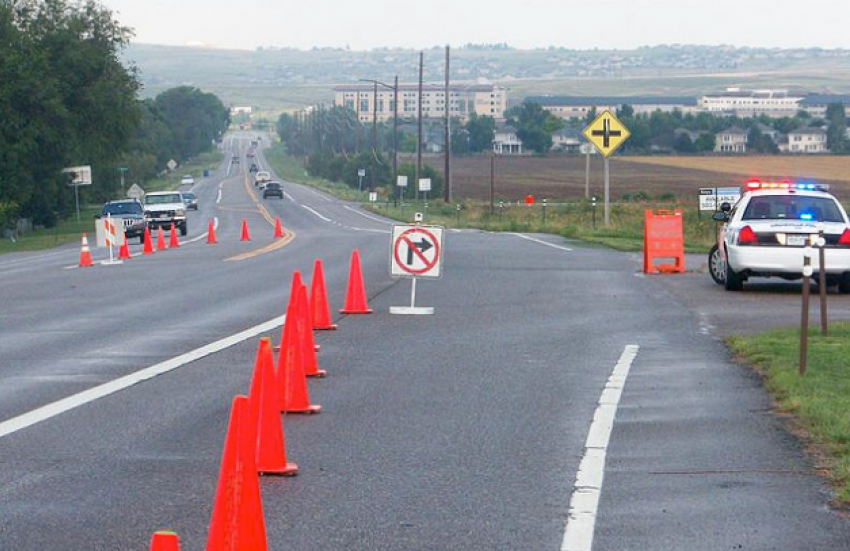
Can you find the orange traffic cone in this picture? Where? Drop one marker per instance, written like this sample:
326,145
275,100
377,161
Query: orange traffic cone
278,230
124,250
355,296
164,541
172,241
160,240
265,414
237,517
211,233
148,246
245,236
292,383
85,253
308,344
319,300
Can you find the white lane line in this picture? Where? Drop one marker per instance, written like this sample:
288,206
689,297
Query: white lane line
364,215
290,197
33,258
584,504
67,404
559,247
325,218
218,198
369,230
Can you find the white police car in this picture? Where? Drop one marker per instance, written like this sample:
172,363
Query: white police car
768,231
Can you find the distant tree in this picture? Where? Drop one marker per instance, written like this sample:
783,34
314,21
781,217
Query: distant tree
196,119
534,126
683,143
836,132
705,143
481,131
625,111
757,142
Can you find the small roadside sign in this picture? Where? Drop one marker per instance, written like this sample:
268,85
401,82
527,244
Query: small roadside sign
711,198
416,251
80,175
424,184
373,196
136,192
172,164
361,172
401,181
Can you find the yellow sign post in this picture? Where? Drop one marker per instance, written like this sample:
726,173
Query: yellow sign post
606,133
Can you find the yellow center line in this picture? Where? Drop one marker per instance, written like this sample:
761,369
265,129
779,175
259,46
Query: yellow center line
288,235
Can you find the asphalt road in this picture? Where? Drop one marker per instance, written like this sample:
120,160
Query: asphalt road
461,430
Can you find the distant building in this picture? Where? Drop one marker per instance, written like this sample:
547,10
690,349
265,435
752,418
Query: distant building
570,107
464,99
568,140
241,110
732,140
505,141
806,140
816,104
751,103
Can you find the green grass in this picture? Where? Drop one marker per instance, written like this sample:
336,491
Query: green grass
66,231
819,400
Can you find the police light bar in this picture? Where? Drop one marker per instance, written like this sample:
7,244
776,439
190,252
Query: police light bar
754,185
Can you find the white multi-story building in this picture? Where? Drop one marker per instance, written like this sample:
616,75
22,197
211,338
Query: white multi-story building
806,140
572,107
751,103
463,100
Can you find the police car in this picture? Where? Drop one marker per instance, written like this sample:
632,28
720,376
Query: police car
772,227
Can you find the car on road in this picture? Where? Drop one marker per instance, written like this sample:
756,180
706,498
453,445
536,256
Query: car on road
262,177
187,180
273,189
163,208
770,230
235,159
191,200
131,212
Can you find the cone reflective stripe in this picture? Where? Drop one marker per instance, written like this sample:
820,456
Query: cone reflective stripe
85,253
319,300
278,230
355,296
292,383
265,415
148,246
172,241
164,541
308,344
245,235
211,233
237,517
160,240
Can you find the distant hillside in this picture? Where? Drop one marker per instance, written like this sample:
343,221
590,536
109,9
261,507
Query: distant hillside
280,79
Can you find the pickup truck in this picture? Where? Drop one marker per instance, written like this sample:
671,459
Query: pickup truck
162,208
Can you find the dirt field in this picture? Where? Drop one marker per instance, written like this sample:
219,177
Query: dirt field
563,177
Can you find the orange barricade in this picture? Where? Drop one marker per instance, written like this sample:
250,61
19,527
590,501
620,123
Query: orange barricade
663,238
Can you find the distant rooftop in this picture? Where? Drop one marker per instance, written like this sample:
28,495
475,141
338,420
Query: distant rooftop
568,101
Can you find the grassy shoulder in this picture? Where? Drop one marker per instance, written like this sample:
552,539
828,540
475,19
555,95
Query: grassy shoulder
819,401
68,230
578,219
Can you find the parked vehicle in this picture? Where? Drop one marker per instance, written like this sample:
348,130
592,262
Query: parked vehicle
187,180
772,227
162,208
131,212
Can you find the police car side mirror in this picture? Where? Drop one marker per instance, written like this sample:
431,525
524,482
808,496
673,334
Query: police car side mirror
725,206
720,216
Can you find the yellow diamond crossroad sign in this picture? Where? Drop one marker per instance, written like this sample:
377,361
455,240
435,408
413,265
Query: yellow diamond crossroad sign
606,133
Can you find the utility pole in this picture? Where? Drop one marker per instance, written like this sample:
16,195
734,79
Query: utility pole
447,192
357,128
419,128
375,119
395,131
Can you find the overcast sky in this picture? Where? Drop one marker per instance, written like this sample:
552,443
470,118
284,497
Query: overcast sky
582,24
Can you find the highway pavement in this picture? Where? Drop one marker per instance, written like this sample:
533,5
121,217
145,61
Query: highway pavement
466,429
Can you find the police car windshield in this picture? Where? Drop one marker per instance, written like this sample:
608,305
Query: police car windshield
792,207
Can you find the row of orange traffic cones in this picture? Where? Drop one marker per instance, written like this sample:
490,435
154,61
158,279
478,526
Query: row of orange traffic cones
255,442
148,248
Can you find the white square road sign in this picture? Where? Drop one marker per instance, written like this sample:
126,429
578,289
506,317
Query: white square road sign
416,251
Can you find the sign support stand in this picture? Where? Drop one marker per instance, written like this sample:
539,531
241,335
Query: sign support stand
412,309
607,194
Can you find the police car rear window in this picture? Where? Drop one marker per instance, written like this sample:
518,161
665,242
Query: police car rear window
792,207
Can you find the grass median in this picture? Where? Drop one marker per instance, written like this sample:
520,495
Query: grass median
819,401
